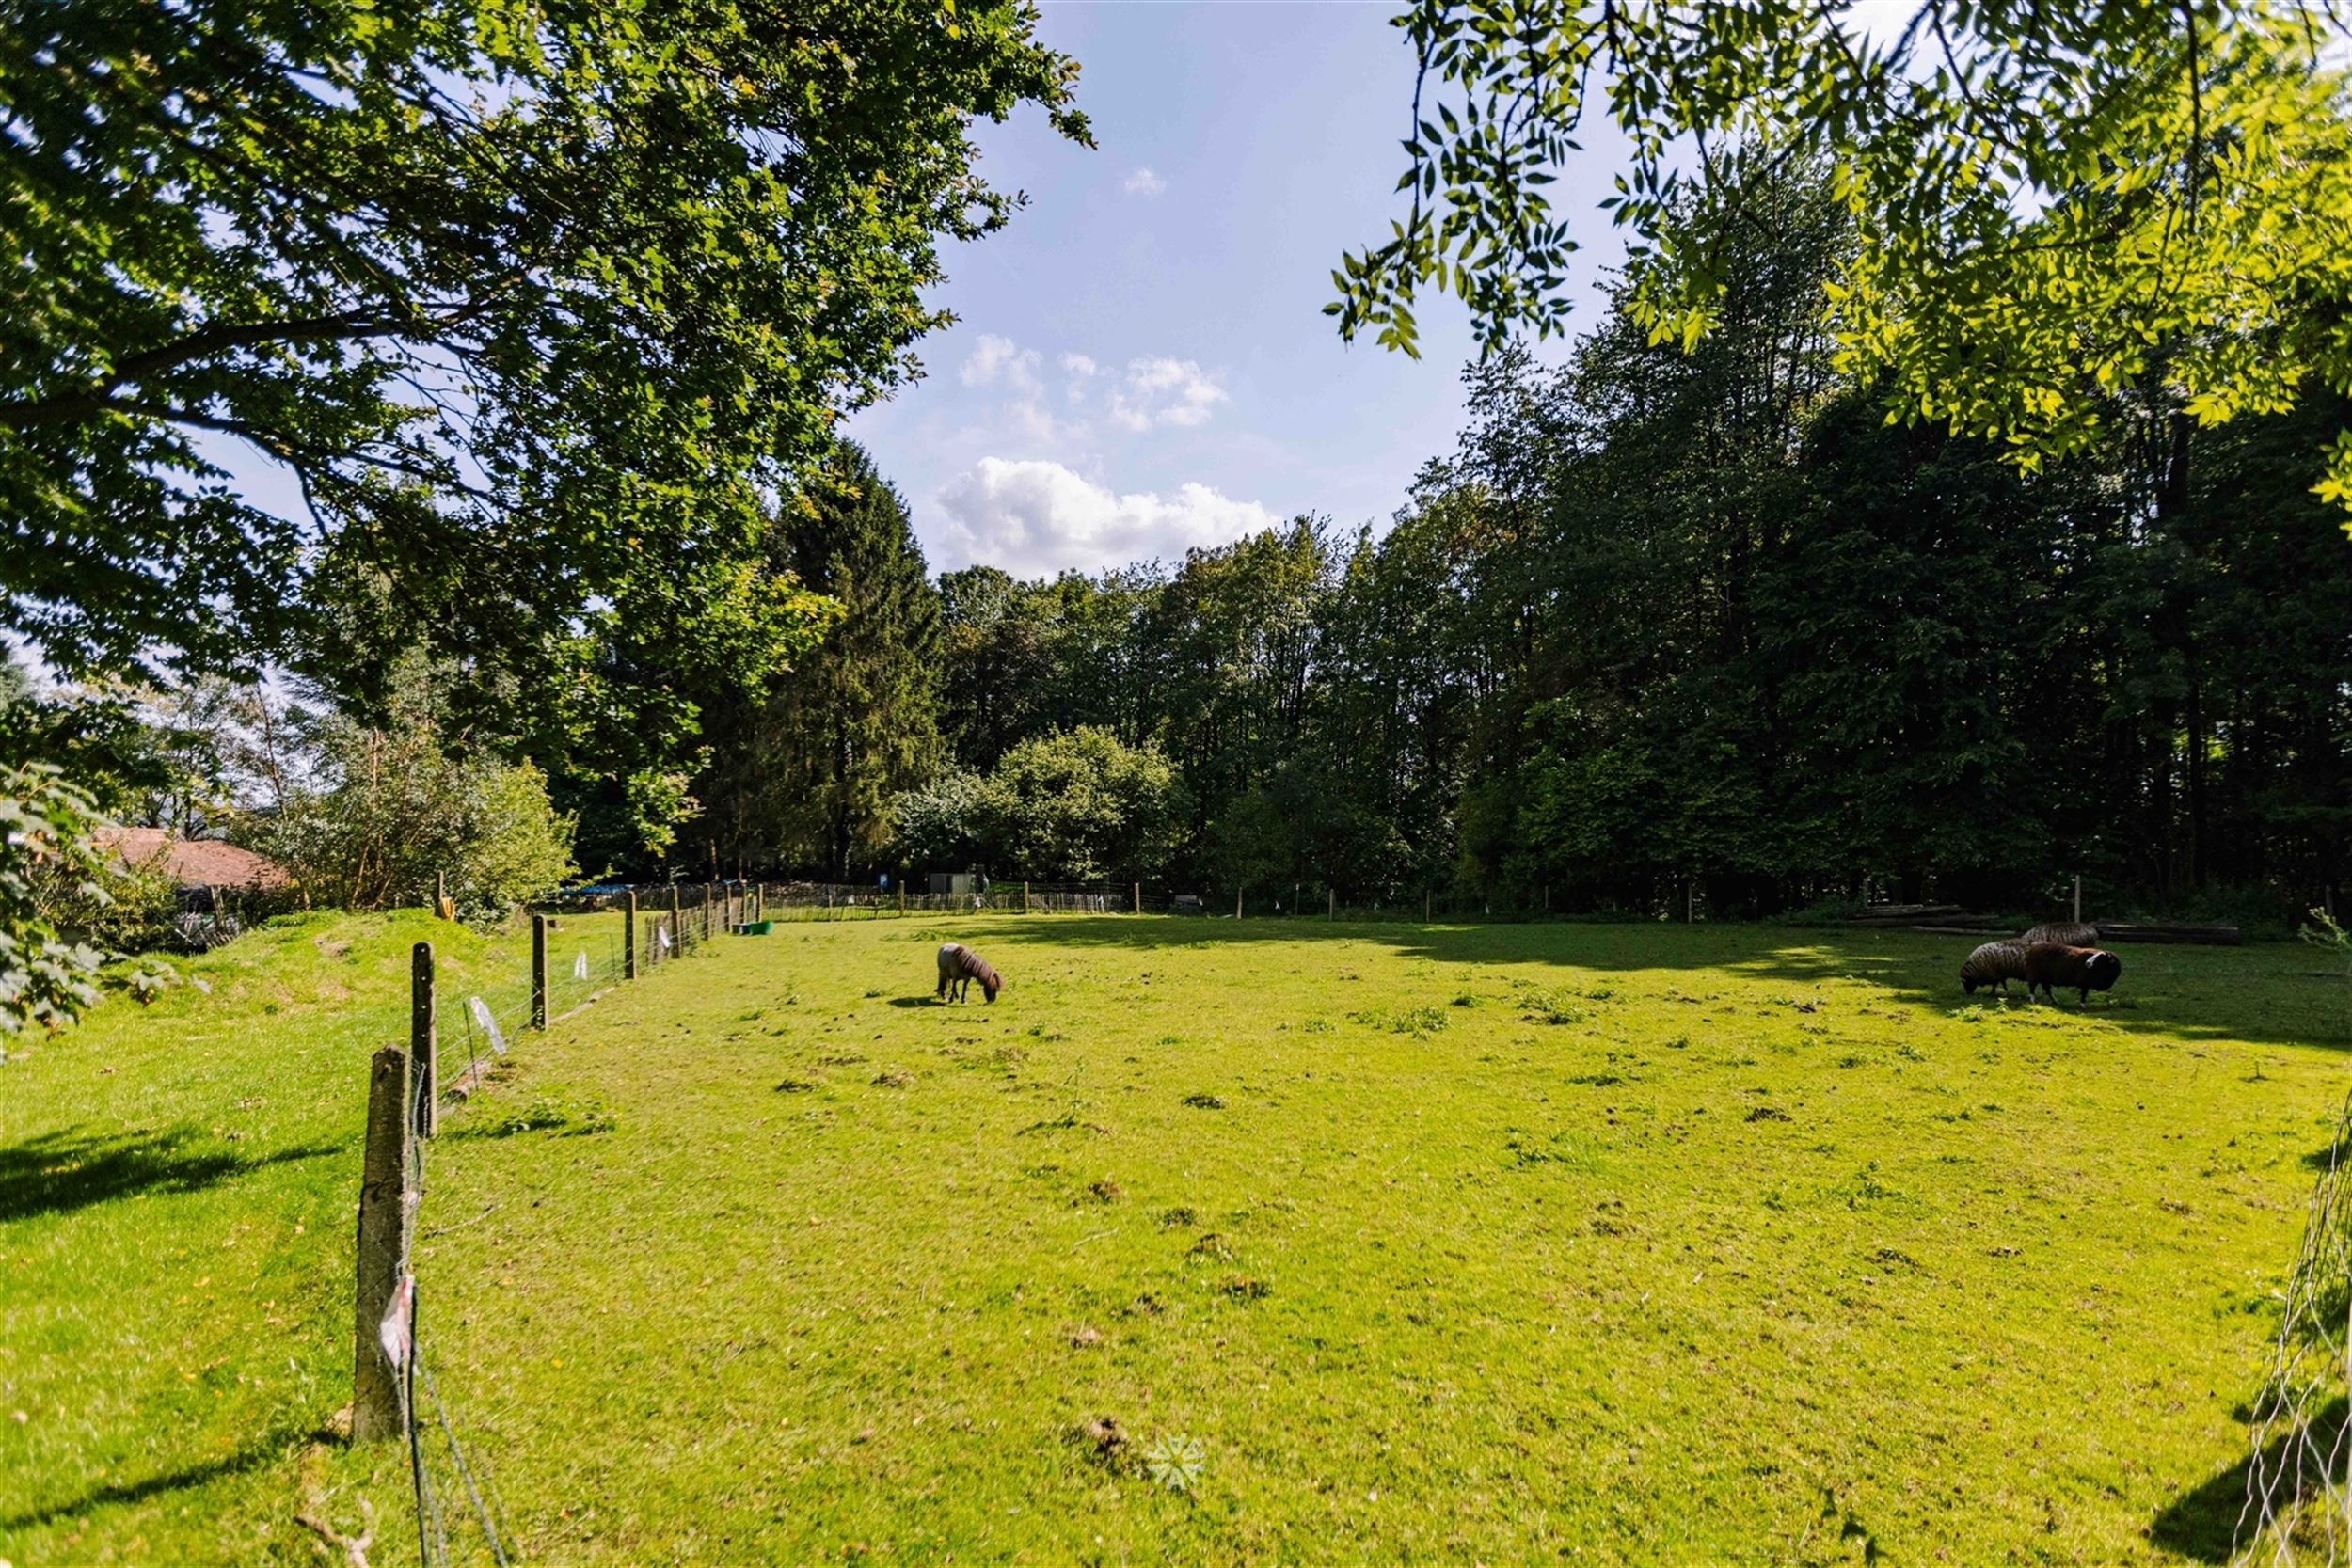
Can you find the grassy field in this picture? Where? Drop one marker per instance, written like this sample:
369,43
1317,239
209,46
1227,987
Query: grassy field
1208,1243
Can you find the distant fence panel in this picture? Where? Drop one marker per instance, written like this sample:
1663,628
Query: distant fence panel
673,918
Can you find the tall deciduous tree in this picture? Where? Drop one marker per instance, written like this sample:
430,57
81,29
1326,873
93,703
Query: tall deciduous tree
525,306
529,302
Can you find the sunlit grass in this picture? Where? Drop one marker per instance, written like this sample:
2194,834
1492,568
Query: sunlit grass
1215,1243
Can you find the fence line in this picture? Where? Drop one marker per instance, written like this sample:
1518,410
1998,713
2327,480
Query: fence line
392,1362
726,904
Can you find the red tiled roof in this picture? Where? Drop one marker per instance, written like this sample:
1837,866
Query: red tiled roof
194,861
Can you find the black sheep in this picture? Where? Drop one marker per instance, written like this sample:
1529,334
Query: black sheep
1994,965
2068,933
2083,969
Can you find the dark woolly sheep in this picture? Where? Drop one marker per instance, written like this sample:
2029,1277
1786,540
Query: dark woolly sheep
2066,933
959,966
1994,965
2082,969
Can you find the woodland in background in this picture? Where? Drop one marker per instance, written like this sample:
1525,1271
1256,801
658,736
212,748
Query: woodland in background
1662,619
1666,627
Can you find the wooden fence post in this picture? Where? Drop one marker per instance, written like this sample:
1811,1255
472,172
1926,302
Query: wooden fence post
440,894
1138,898
422,1047
375,1383
710,895
628,937
1024,898
677,920
538,972
1237,903
1335,904
2078,898
1425,896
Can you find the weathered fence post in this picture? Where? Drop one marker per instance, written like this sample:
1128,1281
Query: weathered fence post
1425,896
1138,898
375,1383
440,896
1237,903
422,1047
710,895
538,972
628,937
2078,898
1335,904
1024,898
678,919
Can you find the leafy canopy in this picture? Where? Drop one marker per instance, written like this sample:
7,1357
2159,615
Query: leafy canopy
532,301
2053,203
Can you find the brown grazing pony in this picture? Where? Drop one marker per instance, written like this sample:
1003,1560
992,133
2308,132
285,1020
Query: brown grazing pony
959,966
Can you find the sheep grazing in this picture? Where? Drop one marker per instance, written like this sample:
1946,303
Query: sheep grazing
2067,933
1994,965
959,966
2084,969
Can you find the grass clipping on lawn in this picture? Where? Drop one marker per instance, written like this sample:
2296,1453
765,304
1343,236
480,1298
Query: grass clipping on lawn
1208,1242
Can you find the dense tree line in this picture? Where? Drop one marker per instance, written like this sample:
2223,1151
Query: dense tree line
1667,625
1671,622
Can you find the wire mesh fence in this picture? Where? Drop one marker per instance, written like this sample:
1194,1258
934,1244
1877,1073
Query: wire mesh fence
2299,1505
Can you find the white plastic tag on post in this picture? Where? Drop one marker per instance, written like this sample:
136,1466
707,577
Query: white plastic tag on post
579,967
664,935
398,1330
489,1024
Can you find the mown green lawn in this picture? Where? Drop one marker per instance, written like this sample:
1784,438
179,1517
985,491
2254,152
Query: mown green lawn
1502,1244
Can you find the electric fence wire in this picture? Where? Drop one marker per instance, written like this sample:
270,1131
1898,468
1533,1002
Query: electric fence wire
479,1492
432,1531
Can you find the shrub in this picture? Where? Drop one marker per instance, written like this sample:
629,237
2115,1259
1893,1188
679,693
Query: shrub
396,807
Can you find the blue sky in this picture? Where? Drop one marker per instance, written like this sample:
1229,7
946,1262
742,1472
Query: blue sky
1142,363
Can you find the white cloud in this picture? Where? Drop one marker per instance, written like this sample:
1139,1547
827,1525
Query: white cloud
1144,182
1035,519
1078,364
1001,362
1162,391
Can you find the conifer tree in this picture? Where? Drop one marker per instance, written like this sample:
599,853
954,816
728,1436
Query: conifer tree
807,777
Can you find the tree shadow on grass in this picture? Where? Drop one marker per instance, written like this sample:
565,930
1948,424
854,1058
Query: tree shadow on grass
2265,994
56,1173
183,1478
2202,1522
